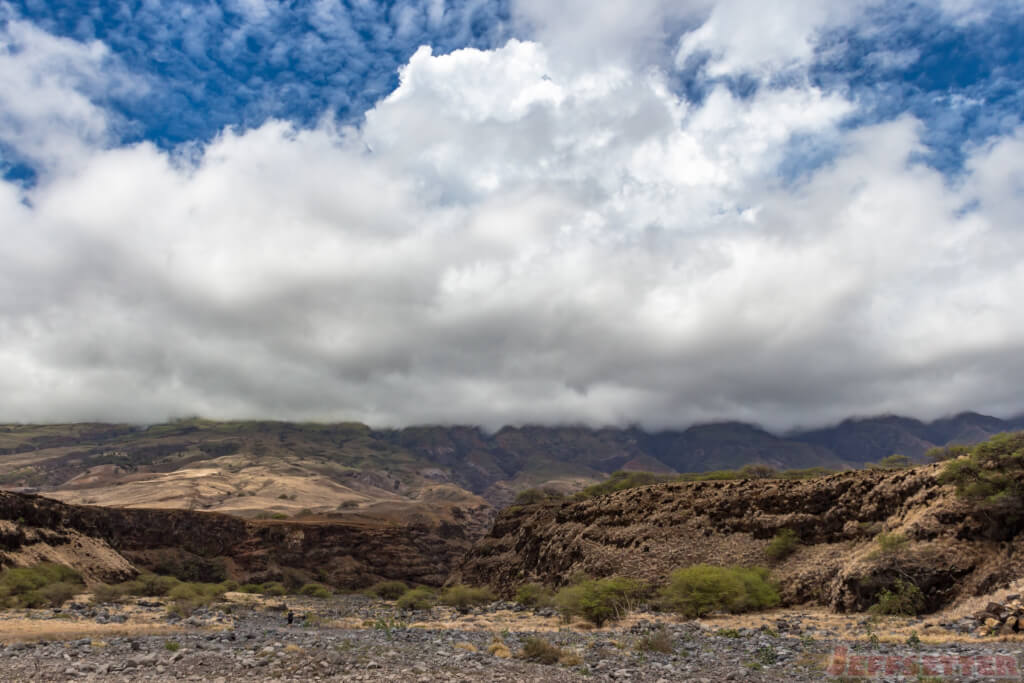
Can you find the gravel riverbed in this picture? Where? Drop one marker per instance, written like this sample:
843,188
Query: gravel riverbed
352,639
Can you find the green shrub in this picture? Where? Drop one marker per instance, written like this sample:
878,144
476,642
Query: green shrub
316,590
104,593
619,481
892,462
758,471
145,585
806,473
659,640
279,515
600,600
534,496
42,585
992,476
417,598
541,651
187,597
388,590
250,588
463,597
274,588
890,544
698,590
150,585
534,595
782,545
766,655
903,597
172,646
942,453
50,595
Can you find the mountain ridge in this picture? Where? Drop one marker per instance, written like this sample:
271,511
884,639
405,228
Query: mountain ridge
264,467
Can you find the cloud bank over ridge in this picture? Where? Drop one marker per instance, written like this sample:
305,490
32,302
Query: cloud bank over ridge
688,224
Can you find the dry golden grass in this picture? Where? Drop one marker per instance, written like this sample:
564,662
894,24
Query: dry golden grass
23,629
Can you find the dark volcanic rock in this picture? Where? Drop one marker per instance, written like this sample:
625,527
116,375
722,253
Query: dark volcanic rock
203,544
648,532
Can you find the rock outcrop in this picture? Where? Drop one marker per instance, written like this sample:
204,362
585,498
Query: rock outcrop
104,543
935,540
1001,618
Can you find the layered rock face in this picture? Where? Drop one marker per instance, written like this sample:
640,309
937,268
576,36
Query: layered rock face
105,543
944,546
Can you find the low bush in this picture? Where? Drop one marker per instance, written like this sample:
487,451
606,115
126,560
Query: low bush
388,590
943,453
316,590
51,595
992,478
250,588
153,585
463,597
416,599
144,585
534,496
43,585
600,600
892,462
619,481
701,589
783,544
903,597
659,640
541,651
188,597
273,588
105,593
890,544
756,472
534,595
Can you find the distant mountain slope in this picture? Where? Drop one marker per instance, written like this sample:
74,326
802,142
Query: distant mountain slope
859,441
255,468
729,445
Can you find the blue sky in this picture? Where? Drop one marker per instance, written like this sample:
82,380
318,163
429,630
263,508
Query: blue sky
501,212
212,65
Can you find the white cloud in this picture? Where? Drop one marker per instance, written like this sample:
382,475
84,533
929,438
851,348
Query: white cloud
46,113
512,237
755,37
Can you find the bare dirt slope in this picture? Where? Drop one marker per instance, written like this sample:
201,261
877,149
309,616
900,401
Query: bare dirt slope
940,544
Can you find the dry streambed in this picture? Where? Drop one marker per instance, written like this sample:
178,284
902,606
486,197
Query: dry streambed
355,638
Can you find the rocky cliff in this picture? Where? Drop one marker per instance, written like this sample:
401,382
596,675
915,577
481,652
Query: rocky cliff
938,541
105,543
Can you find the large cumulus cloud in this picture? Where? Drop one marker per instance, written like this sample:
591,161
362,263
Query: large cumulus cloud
525,234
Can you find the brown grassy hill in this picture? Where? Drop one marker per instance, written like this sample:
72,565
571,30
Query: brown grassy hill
934,538
265,468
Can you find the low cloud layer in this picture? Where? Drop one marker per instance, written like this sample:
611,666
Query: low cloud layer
530,233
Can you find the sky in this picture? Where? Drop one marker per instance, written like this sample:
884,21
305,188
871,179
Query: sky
515,211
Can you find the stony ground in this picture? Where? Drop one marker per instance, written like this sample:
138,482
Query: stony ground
352,638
